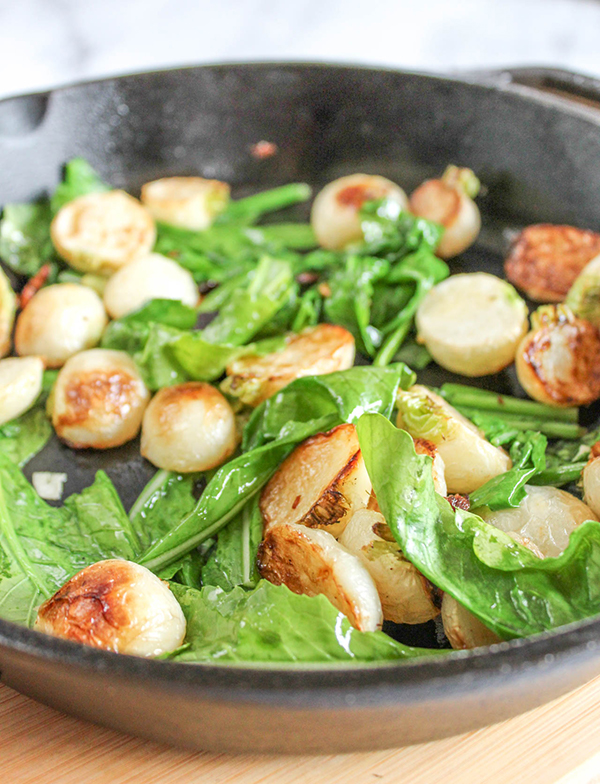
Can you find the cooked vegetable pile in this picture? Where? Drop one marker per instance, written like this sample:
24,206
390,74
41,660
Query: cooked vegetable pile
301,501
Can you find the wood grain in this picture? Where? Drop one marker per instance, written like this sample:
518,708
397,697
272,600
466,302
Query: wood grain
556,744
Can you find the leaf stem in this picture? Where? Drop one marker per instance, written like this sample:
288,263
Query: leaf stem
166,558
252,207
559,475
159,479
549,428
392,344
461,395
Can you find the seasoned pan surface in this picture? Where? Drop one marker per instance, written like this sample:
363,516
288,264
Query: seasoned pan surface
539,157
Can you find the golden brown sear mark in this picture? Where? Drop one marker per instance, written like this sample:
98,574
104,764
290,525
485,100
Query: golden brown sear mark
109,391
356,195
545,259
90,607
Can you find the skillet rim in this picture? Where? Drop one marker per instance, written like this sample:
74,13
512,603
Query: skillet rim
500,79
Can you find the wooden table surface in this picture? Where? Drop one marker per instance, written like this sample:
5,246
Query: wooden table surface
556,744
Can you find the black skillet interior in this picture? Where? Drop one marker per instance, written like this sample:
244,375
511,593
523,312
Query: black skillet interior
539,162
137,135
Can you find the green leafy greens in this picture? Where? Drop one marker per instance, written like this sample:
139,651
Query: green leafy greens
232,561
528,454
28,434
504,584
167,497
272,624
24,437
374,288
167,351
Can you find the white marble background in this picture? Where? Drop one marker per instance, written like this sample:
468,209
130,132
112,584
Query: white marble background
48,42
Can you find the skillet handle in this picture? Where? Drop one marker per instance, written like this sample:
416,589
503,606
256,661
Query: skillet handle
554,82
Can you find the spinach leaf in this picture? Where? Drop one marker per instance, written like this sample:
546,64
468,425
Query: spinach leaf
25,244
160,318
308,310
156,362
79,180
96,517
327,401
270,623
148,334
414,355
24,437
167,352
422,270
388,301
565,460
122,335
199,359
221,244
203,266
293,236
169,312
189,570
283,319
562,462
222,252
504,584
216,298
320,260
167,497
232,561
528,453
392,234
349,304
251,208
204,361
249,309
42,546
158,311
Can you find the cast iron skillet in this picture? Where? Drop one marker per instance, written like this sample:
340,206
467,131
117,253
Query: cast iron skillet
533,136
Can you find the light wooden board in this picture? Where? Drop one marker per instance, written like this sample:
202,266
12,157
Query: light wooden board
556,744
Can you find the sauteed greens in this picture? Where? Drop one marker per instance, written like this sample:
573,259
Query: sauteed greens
310,499
502,582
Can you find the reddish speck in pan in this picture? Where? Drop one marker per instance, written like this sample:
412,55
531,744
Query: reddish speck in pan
263,149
